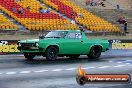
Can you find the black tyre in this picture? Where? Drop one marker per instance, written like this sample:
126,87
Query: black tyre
95,52
51,53
29,56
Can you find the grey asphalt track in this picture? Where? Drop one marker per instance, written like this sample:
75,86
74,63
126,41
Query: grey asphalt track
16,72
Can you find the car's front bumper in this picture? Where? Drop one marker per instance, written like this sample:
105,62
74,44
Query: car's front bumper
30,49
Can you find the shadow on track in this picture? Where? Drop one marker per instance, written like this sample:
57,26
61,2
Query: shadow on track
63,61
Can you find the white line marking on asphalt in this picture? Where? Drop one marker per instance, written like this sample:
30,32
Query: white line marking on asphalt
128,60
39,71
119,62
11,73
20,55
104,67
69,69
57,70
119,65
90,67
84,68
129,65
24,72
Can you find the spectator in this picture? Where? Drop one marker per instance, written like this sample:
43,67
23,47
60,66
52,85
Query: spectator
87,2
20,10
123,22
73,22
48,10
41,10
118,7
28,8
72,14
13,9
98,2
120,20
80,15
102,4
91,3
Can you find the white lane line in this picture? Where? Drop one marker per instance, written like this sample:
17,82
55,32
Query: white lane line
84,68
128,63
24,72
89,67
69,69
104,67
119,65
57,70
11,73
128,60
39,71
119,62
1,73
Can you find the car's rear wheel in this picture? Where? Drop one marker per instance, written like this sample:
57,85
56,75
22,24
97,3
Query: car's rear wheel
51,53
95,52
29,56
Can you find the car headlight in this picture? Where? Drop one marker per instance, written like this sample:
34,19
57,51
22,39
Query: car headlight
37,44
19,44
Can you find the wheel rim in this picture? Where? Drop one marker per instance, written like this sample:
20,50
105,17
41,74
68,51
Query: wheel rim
96,52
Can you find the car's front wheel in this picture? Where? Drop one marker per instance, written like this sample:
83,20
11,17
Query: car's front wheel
29,56
95,52
51,53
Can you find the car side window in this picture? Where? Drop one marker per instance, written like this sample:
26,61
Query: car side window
74,36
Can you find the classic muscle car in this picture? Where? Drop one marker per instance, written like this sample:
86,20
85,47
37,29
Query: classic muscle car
70,43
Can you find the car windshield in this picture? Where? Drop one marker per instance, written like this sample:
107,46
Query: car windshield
56,34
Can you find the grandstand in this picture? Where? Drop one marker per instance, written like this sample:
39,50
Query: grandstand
70,10
90,21
32,19
6,24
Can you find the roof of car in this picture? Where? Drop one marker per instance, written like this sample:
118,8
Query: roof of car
69,30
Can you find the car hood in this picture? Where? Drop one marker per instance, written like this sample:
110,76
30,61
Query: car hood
39,40
29,41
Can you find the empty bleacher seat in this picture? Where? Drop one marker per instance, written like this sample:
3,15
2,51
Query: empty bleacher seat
5,23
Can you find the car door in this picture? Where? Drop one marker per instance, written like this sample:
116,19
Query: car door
72,44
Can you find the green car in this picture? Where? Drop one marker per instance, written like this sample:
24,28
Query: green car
69,43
